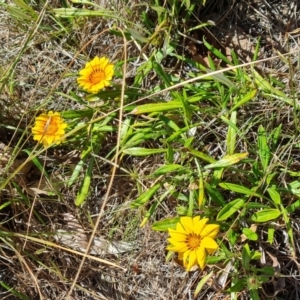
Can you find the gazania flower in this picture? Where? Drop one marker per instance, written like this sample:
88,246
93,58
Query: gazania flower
96,75
49,128
193,239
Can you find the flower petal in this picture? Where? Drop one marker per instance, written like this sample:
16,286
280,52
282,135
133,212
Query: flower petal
199,225
187,223
178,236
209,244
192,260
201,256
180,229
210,230
177,247
185,258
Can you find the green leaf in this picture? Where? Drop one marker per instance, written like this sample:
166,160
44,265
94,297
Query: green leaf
232,236
37,163
257,48
265,215
138,151
268,270
217,53
116,94
83,2
149,213
74,114
72,96
126,130
157,107
221,78
186,107
276,134
23,5
238,286
20,14
202,282
255,255
145,197
291,208
145,68
167,169
275,196
227,161
79,12
85,185
165,224
174,136
251,235
261,82
246,256
263,148
140,137
158,8
202,155
161,73
136,35
239,189
230,209
249,96
154,206
215,195
294,188
76,172
3,205
12,291
271,232
268,88
253,289
231,134
170,123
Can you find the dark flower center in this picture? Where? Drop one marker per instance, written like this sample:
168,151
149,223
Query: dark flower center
193,241
97,76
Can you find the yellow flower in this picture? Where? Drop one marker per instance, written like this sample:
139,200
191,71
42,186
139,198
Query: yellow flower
96,75
49,128
193,239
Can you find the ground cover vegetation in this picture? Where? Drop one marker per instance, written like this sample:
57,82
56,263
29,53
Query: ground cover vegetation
149,150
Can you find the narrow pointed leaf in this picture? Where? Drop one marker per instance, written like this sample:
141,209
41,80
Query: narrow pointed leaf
230,209
246,98
202,282
167,169
85,185
263,148
145,197
202,155
215,195
138,151
265,215
238,189
227,161
136,35
157,107
165,224
275,196
246,256
250,234
231,134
